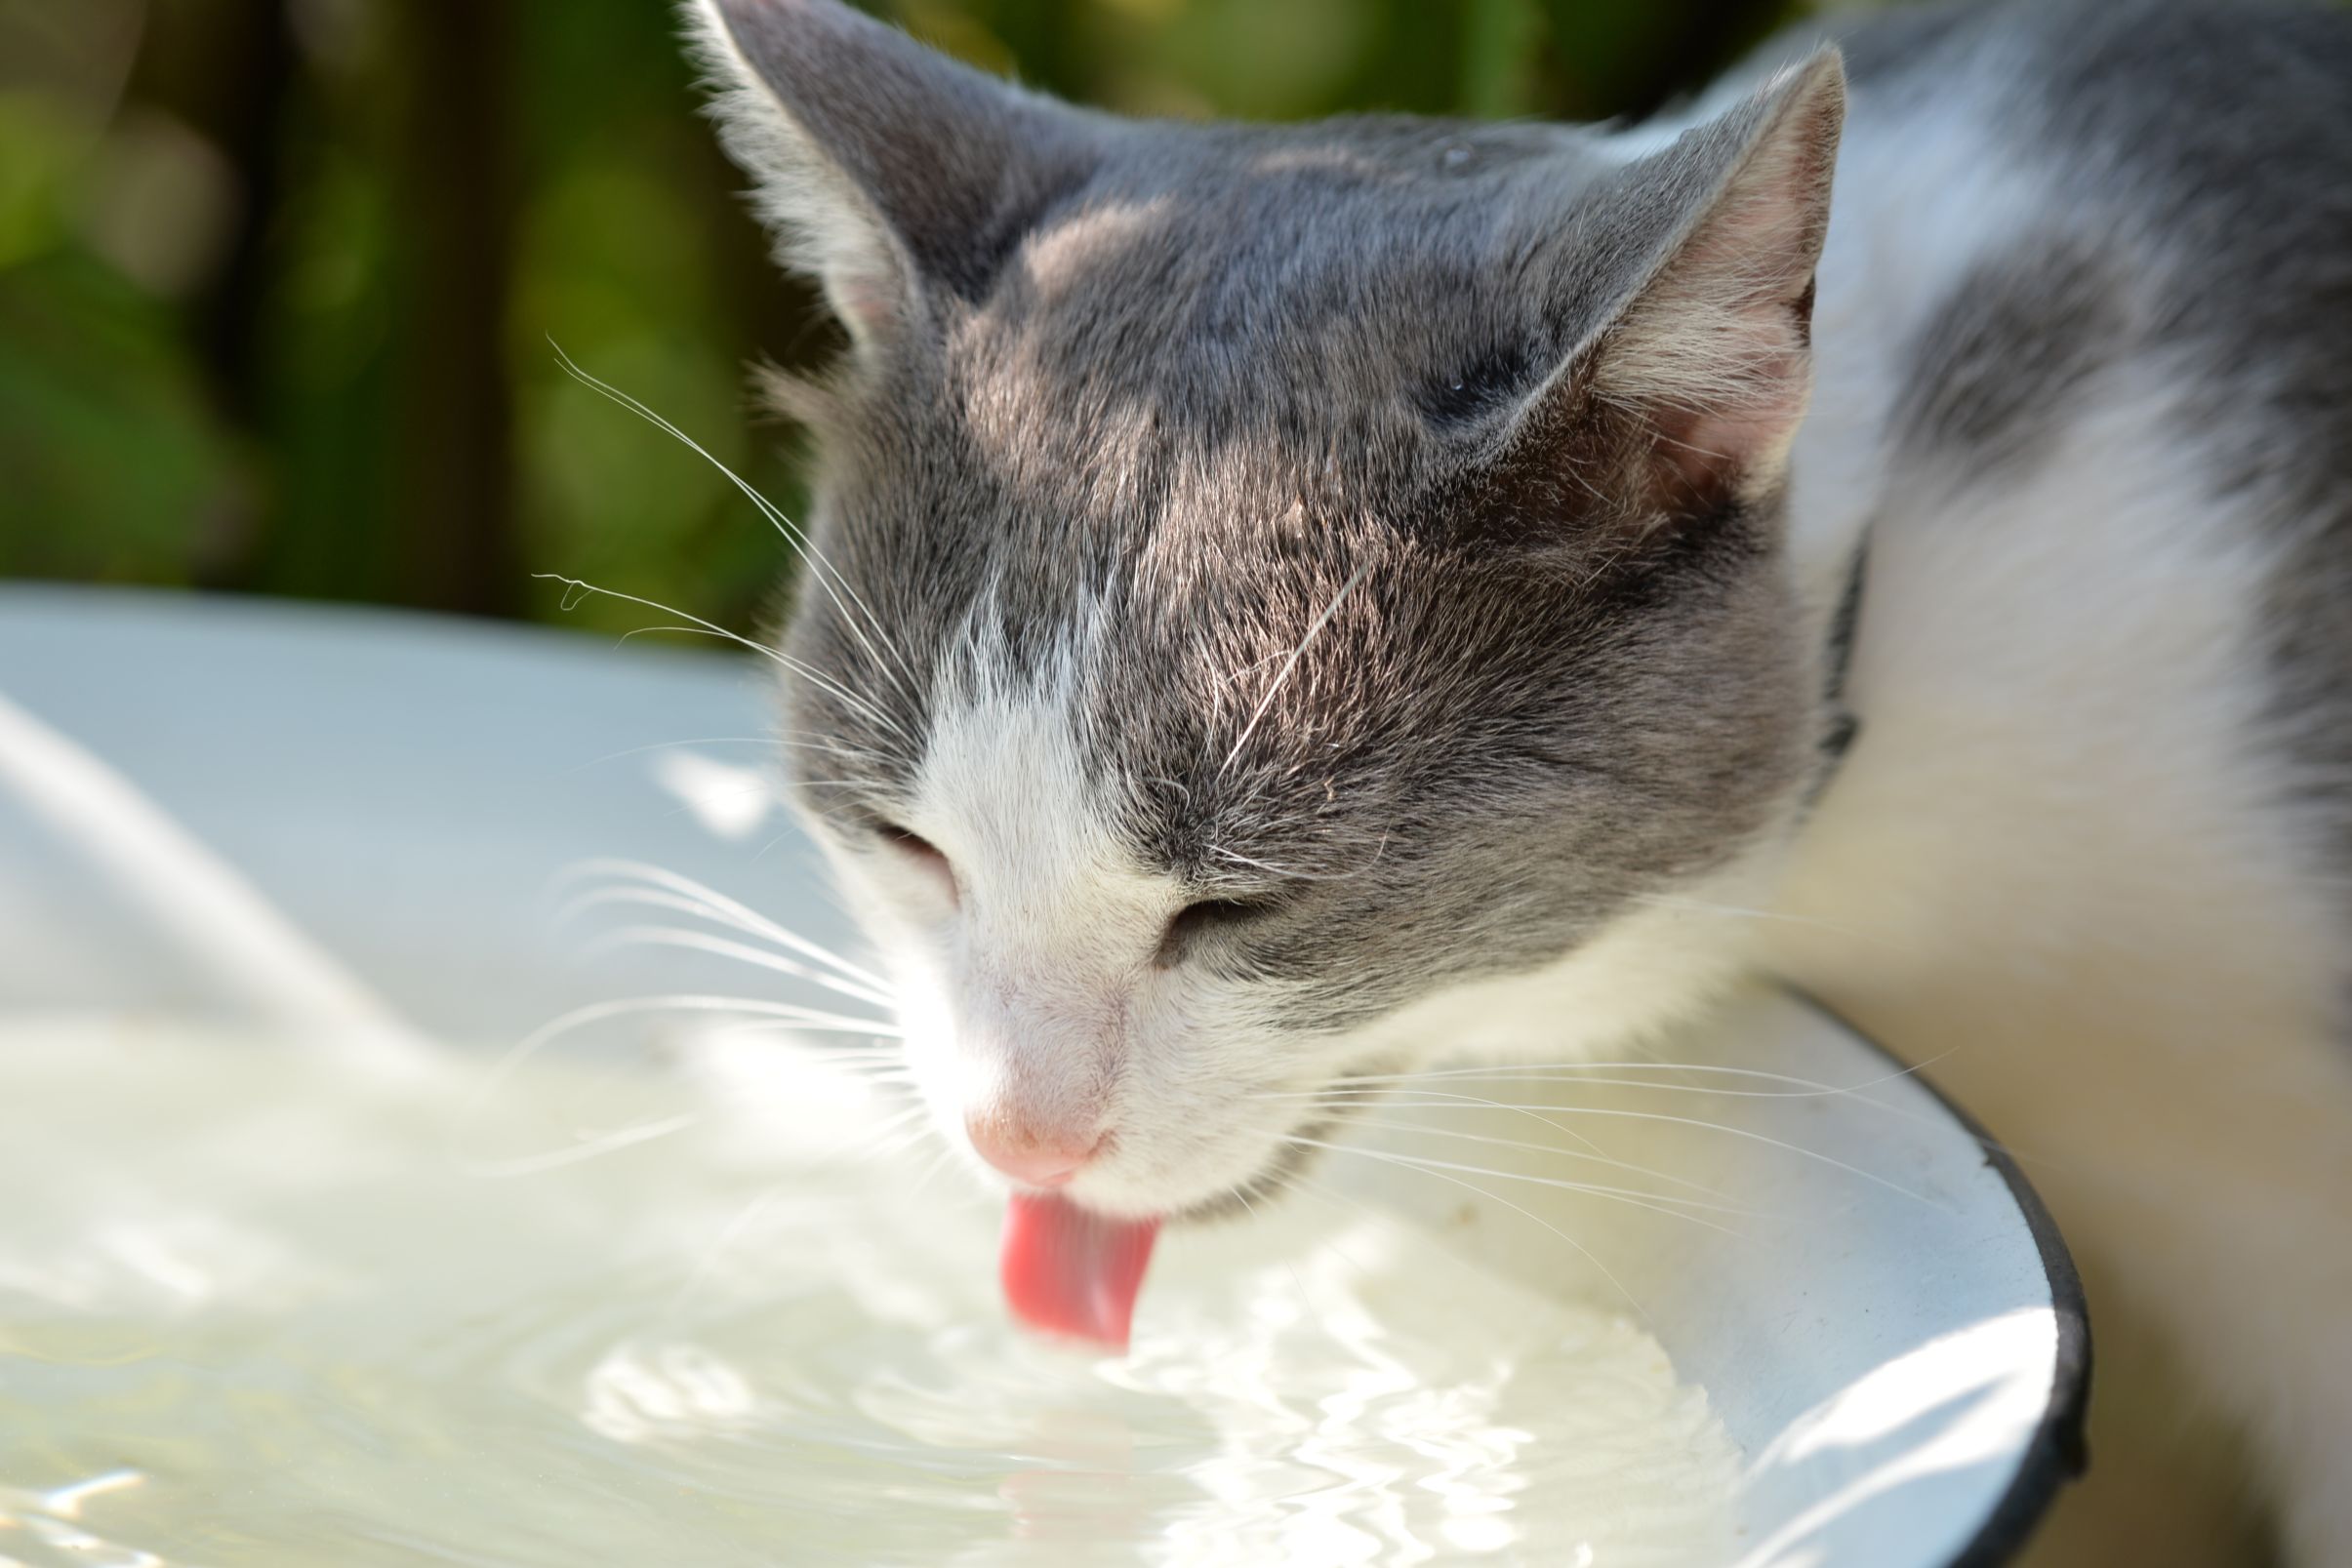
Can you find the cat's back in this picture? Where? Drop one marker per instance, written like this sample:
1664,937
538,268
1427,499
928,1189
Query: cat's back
2083,384
2086,309
2035,193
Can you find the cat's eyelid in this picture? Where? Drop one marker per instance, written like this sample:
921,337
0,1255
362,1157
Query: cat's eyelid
890,835
1201,916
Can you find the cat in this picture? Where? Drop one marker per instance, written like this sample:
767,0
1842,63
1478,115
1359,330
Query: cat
1294,600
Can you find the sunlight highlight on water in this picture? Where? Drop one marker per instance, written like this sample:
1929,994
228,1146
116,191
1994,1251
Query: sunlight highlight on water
255,1311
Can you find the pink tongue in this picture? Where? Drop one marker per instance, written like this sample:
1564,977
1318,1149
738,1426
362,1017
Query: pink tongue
1069,1271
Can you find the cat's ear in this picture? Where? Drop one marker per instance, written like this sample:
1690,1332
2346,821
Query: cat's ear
888,171
1687,388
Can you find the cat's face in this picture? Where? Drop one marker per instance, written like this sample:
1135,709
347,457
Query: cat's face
1281,600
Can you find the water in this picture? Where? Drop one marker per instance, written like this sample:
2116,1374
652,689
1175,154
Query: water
257,1311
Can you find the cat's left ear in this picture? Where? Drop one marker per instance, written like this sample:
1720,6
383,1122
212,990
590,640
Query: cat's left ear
1688,386
897,176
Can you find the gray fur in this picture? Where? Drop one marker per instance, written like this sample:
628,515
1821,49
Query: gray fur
1395,510
951,165
2213,143
1167,389
1234,377
2006,358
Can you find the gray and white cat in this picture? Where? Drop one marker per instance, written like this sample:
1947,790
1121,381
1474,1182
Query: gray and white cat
1299,599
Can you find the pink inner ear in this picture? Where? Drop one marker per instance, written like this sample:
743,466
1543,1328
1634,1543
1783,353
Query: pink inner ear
1702,456
867,304
1715,356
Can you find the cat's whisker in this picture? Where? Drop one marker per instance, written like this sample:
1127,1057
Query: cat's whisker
1311,1313
1584,1074
1733,911
575,588
573,1154
772,791
1712,1201
947,1156
1647,1064
719,1245
1339,1096
1631,1197
896,1133
1437,1101
703,942
861,1058
1589,1152
826,575
787,739
1520,1209
723,907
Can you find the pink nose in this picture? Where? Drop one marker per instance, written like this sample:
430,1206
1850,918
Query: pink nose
1026,1155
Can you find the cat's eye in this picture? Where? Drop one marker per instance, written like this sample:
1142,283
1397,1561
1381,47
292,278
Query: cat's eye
1207,918
914,847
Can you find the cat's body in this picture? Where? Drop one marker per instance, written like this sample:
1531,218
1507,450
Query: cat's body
1337,596
2085,378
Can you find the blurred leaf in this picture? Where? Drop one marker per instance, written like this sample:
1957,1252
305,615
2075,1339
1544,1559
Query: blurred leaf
44,142
1501,51
135,444
115,471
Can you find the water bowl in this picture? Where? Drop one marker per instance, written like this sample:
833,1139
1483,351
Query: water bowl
687,1288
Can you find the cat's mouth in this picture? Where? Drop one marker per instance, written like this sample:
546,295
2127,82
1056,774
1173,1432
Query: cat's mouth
1075,1273
1070,1272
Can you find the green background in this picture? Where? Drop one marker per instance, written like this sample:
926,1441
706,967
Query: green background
280,279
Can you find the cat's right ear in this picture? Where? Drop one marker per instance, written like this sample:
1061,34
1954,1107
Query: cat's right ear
895,175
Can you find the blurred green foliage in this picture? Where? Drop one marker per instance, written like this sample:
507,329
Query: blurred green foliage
281,280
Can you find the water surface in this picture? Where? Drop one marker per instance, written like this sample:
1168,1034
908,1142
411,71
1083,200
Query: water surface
255,1309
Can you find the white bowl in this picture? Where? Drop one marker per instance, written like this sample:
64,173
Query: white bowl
1901,1351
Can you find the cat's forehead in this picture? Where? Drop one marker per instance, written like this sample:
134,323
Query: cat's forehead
1216,290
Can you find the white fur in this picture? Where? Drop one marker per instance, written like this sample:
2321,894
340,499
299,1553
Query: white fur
823,224
1032,995
2055,864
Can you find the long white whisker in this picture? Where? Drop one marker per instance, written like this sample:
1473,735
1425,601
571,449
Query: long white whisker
738,951
946,1157
1617,1194
1575,1074
1306,1302
789,740
788,530
623,1138
879,1062
735,914
1670,900
720,1244
697,626
1340,1097
1591,1152
1461,1101
1496,1197
1712,1202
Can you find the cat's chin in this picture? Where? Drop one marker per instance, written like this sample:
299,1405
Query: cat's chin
1270,1183
1114,1197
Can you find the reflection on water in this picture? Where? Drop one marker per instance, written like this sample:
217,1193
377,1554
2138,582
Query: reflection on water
252,1312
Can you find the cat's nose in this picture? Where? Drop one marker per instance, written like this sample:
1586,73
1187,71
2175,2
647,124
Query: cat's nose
1038,1156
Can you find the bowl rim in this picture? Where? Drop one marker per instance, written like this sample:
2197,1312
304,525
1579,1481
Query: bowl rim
2055,1453
2059,1451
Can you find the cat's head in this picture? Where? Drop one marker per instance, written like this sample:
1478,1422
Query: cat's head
1282,602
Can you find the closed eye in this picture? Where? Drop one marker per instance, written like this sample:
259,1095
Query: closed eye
1205,920
913,846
